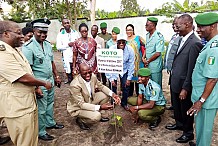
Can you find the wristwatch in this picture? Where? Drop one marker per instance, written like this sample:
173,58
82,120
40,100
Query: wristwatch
202,100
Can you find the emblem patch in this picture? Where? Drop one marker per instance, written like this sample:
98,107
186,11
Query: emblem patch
2,48
211,60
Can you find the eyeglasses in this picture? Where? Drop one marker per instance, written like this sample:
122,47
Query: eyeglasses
129,29
18,33
121,42
86,73
83,31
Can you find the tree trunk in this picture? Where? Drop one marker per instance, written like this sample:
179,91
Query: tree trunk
92,14
68,10
75,14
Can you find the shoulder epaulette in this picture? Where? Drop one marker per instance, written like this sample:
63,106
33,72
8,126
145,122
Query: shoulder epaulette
2,47
159,34
27,43
214,44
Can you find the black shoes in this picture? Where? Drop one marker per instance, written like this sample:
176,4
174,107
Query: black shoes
46,137
173,127
185,139
4,140
56,126
82,125
155,123
104,119
192,143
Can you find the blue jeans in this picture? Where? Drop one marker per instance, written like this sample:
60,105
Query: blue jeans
125,89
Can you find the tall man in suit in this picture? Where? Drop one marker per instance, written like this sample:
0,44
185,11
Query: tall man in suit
180,79
88,97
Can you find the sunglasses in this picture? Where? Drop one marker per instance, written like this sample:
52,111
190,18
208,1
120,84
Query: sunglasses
86,73
121,42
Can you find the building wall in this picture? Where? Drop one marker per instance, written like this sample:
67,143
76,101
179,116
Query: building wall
138,22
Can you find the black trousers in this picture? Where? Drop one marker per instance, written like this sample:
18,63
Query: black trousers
180,112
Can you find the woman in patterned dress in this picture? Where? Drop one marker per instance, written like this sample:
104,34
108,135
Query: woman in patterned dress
84,50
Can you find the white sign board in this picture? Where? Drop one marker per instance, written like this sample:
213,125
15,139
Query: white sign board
110,60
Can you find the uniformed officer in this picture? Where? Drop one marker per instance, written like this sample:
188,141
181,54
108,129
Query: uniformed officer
104,34
150,103
40,56
204,79
17,88
154,46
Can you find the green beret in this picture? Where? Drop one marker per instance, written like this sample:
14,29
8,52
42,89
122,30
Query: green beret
116,30
144,72
206,18
152,19
103,25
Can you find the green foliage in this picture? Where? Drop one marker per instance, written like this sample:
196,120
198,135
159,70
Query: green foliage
129,8
118,121
54,47
18,13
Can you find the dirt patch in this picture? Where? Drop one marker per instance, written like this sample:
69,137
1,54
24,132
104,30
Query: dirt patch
103,134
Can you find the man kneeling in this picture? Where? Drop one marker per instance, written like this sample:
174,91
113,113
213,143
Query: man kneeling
150,103
88,97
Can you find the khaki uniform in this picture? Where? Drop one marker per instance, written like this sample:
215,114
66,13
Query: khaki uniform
17,100
106,37
82,104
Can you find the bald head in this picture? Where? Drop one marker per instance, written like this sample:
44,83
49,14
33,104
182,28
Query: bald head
85,72
10,33
7,25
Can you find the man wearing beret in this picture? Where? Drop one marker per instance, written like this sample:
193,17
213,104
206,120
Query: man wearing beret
150,103
180,78
154,46
204,80
104,34
40,56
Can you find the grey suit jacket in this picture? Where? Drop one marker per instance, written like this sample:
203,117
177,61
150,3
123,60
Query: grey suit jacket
183,64
80,98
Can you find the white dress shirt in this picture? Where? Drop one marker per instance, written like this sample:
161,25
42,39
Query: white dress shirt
184,39
88,86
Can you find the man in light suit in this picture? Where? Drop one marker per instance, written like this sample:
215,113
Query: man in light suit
88,97
180,79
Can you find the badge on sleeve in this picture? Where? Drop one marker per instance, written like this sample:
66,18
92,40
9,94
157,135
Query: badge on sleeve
161,42
40,60
211,60
2,48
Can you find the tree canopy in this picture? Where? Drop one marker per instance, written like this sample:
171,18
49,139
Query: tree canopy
23,10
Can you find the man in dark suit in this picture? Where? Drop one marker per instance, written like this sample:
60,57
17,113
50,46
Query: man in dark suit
180,79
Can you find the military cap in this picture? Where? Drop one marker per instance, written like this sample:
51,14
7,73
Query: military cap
41,24
152,19
144,72
206,18
116,30
103,25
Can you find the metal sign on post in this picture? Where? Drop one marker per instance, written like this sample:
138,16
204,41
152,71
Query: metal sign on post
110,60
